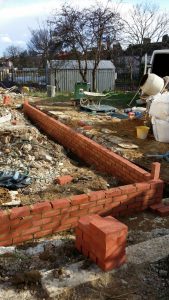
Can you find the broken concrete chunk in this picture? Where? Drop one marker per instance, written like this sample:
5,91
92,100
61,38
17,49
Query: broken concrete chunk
27,147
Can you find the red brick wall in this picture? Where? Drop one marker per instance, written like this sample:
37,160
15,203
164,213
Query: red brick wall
34,221
94,154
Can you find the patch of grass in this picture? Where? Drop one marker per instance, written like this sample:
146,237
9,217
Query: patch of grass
58,98
117,99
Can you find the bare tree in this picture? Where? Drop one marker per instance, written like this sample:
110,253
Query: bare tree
104,24
12,52
83,31
145,23
41,43
70,26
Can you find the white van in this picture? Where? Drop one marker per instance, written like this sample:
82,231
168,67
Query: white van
159,63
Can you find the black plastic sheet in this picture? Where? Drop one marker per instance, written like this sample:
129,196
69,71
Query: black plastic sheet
14,180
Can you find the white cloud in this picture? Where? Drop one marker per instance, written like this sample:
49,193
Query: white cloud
4,38
19,43
27,10
38,9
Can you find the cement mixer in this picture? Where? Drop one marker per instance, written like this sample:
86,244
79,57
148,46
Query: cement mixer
151,84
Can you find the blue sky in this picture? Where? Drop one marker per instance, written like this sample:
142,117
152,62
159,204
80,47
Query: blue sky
17,16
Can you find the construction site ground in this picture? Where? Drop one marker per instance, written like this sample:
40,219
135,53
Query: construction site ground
111,132
26,149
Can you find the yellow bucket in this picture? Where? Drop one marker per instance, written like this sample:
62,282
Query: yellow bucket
142,132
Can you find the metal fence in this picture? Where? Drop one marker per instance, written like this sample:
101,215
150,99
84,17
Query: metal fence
65,80
22,77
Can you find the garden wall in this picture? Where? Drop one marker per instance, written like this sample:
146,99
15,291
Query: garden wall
34,221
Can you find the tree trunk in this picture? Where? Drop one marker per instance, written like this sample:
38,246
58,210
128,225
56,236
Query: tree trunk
94,87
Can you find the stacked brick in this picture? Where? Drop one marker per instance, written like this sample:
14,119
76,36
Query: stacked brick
103,240
160,209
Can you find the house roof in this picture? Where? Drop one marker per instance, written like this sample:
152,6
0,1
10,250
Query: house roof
73,64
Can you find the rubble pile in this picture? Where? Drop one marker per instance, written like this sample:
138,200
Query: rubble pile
25,149
26,152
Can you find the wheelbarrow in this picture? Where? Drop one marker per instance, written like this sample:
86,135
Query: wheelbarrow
163,156
91,98
92,102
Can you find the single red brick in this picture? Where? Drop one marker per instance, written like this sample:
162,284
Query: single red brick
113,192
121,198
163,211
41,222
60,203
64,217
14,223
69,220
88,205
157,185
83,222
74,208
4,217
64,227
51,213
15,233
102,201
142,186
79,199
62,180
21,239
107,228
19,212
31,230
94,196
4,228
39,207
6,243
42,233
22,226
96,209
154,207
79,213
155,170
127,189
54,226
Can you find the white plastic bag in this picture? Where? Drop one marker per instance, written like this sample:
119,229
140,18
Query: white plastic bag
160,130
160,107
